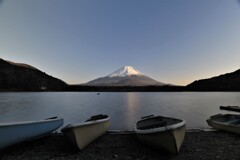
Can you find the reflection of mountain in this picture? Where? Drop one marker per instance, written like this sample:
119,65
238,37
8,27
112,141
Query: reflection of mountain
18,76
225,82
125,76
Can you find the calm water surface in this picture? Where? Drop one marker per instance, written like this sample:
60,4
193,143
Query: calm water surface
123,108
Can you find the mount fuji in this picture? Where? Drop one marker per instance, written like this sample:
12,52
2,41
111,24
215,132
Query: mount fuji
125,76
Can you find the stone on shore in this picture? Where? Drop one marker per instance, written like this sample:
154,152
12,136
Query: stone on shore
197,145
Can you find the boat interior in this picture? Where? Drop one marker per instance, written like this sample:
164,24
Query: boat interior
52,118
156,122
97,117
230,119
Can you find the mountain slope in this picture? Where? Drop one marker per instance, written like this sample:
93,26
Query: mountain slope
125,76
18,76
225,82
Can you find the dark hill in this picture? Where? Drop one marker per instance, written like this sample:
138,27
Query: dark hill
23,77
225,82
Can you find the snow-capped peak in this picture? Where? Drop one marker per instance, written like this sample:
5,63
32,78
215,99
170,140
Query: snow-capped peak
125,71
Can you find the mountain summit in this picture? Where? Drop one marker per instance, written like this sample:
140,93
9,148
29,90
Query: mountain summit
125,71
125,76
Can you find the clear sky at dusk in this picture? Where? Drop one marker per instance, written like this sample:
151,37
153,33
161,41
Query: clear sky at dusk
172,41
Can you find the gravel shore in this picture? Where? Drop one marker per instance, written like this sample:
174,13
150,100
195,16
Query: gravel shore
197,146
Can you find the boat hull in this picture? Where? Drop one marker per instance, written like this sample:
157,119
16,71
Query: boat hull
80,135
13,133
168,138
230,124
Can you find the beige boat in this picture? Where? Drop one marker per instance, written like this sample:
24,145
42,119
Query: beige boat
160,132
226,122
82,134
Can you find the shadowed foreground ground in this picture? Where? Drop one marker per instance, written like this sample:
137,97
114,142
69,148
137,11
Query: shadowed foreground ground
197,146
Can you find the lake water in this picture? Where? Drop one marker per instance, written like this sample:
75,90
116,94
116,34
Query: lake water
124,108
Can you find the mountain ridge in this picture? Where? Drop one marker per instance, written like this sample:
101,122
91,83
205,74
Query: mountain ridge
24,77
224,82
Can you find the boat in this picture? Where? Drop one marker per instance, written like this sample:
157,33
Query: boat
230,108
226,122
164,133
83,133
18,132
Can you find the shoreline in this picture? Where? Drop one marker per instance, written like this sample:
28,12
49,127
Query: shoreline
125,146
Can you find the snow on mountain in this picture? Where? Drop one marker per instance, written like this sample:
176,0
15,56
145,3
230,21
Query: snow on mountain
125,71
125,76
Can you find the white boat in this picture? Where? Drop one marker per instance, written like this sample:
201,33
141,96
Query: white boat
226,122
162,133
82,134
17,132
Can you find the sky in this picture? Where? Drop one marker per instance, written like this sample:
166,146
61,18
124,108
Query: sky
172,41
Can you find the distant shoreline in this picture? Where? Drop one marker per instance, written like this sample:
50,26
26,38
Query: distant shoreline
82,88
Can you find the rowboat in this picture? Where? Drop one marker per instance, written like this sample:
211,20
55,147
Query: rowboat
230,108
82,134
164,133
17,132
226,122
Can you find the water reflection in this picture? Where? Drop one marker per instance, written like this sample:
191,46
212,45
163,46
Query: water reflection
133,104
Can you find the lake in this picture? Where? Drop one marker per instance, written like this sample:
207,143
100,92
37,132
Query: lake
124,108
